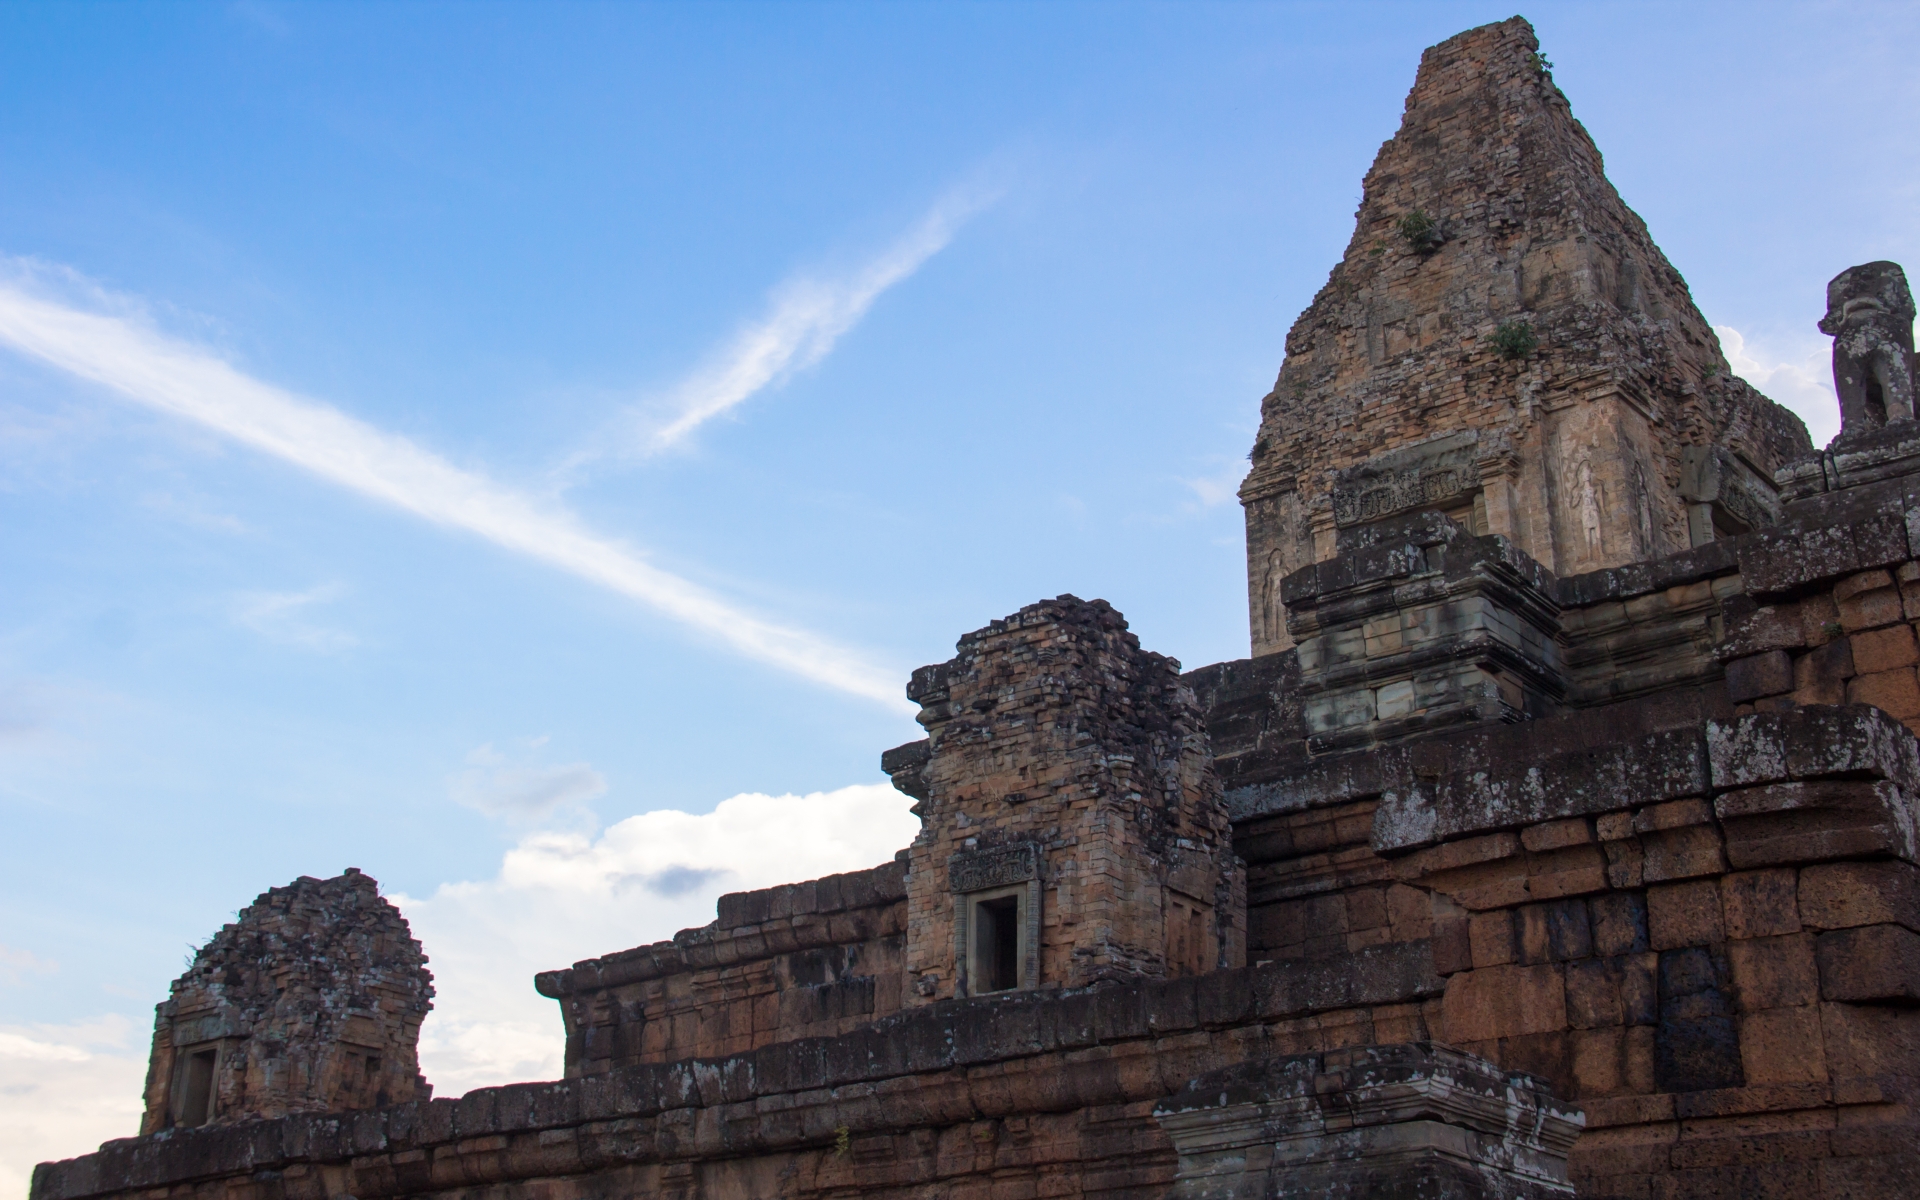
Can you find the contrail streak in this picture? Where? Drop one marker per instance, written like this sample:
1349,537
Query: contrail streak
186,381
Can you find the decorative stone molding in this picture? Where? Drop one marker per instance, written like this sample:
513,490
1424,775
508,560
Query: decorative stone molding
1419,1119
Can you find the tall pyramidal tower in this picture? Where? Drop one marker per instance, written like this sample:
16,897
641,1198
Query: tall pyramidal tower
1504,343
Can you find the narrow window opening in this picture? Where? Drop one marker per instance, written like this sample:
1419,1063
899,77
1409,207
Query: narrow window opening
196,1092
996,931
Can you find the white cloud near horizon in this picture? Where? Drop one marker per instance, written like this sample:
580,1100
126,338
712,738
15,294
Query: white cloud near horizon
64,1089
808,315
1797,374
127,356
562,897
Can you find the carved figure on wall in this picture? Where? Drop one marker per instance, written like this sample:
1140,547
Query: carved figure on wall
1587,497
1271,611
1870,318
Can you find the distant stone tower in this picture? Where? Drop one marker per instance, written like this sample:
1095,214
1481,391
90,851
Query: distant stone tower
1073,827
1503,343
310,1002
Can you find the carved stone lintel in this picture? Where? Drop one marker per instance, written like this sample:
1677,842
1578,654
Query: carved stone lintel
1432,473
1001,866
1416,1119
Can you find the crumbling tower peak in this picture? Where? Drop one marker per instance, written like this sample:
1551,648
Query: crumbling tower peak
1502,342
311,1001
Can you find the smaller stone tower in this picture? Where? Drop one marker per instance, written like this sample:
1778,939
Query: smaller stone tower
1072,826
310,1002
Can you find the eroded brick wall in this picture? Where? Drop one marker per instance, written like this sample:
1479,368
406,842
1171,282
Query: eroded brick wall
1574,449
807,959
1054,731
310,1001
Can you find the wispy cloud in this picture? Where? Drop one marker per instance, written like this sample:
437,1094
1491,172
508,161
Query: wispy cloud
127,356
1798,374
15,963
498,786
808,316
280,617
1222,485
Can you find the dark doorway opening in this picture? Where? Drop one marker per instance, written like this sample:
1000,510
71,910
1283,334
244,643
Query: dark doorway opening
996,931
196,1091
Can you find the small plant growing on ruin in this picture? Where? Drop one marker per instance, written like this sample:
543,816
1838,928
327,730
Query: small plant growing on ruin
842,1141
1515,340
1539,63
1419,230
1832,629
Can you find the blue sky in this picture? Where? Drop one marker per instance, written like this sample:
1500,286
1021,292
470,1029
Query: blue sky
443,433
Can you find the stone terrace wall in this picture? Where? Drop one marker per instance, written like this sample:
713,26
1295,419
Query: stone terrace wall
1029,1094
806,959
1705,937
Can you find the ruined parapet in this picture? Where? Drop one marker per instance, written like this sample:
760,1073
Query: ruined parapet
1073,829
1869,315
1502,342
1418,625
310,1002
1419,1119
1870,318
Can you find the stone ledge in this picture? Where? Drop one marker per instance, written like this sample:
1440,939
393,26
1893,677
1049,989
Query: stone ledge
742,919
952,1036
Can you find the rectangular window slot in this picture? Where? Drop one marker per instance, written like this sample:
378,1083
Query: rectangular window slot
996,940
196,1088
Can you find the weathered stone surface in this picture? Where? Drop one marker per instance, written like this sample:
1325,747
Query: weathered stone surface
1079,765
1489,211
1420,1120
310,1002
1870,318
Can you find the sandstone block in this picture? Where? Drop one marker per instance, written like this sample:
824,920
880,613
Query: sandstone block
1696,1045
1612,991
1849,894
1505,1001
1452,944
1809,822
1809,744
1768,627
1870,1051
1625,860
1885,649
1493,939
1619,923
1774,972
1820,675
1683,853
1760,903
1553,932
1674,814
1895,692
1684,914
1555,835
1766,674
1870,963
1782,1045
1867,601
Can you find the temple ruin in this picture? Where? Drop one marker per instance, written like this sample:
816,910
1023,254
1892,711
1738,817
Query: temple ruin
1557,838
309,1002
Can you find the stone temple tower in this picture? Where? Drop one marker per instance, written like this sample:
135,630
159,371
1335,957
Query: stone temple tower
1073,826
1503,343
310,1002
